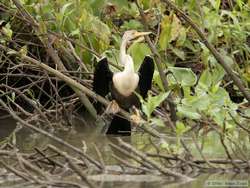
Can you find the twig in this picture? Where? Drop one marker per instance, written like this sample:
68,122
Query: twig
99,154
15,171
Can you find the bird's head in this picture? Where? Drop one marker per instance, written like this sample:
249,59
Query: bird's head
131,35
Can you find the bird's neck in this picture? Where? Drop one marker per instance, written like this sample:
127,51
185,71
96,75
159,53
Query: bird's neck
123,51
125,59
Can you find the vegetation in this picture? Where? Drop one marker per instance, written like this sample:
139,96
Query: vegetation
201,49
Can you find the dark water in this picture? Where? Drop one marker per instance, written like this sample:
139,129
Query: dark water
80,134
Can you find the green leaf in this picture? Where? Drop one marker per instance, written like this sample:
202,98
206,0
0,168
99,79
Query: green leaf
132,24
138,52
180,128
205,80
220,96
64,9
152,102
187,111
171,29
165,35
215,4
217,74
157,80
7,31
182,76
239,3
179,53
13,96
182,37
164,144
200,102
75,32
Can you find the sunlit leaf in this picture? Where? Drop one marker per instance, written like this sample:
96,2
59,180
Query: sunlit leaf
7,31
164,144
171,29
23,51
175,28
165,35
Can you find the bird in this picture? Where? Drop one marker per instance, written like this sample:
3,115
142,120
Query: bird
123,85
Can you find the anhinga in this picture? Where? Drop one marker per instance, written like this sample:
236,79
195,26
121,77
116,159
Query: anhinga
122,85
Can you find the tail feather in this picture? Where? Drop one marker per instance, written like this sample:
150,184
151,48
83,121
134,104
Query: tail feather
119,126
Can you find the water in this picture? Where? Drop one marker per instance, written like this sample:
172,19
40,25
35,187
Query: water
81,135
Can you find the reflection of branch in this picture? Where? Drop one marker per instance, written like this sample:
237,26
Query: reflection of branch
198,161
159,65
128,164
53,137
200,151
130,155
222,140
153,163
74,166
212,49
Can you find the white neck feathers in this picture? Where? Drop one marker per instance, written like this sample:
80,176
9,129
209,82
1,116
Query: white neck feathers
126,81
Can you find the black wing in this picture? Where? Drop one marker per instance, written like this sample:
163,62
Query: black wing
146,72
102,78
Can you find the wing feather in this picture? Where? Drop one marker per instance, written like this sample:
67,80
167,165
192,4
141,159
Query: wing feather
102,79
146,72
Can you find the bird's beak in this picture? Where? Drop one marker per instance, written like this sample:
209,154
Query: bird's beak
139,36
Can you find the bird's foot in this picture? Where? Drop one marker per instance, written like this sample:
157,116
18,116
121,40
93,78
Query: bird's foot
113,108
136,117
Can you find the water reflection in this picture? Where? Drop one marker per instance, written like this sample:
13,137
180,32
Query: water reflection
86,137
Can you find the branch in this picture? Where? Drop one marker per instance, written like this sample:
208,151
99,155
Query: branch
159,66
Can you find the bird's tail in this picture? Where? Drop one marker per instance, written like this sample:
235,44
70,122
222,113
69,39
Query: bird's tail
119,126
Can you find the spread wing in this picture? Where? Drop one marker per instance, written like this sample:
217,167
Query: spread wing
146,72
102,79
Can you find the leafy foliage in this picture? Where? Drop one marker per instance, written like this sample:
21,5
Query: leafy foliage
202,91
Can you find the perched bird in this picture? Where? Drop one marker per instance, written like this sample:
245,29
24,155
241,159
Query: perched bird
122,85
